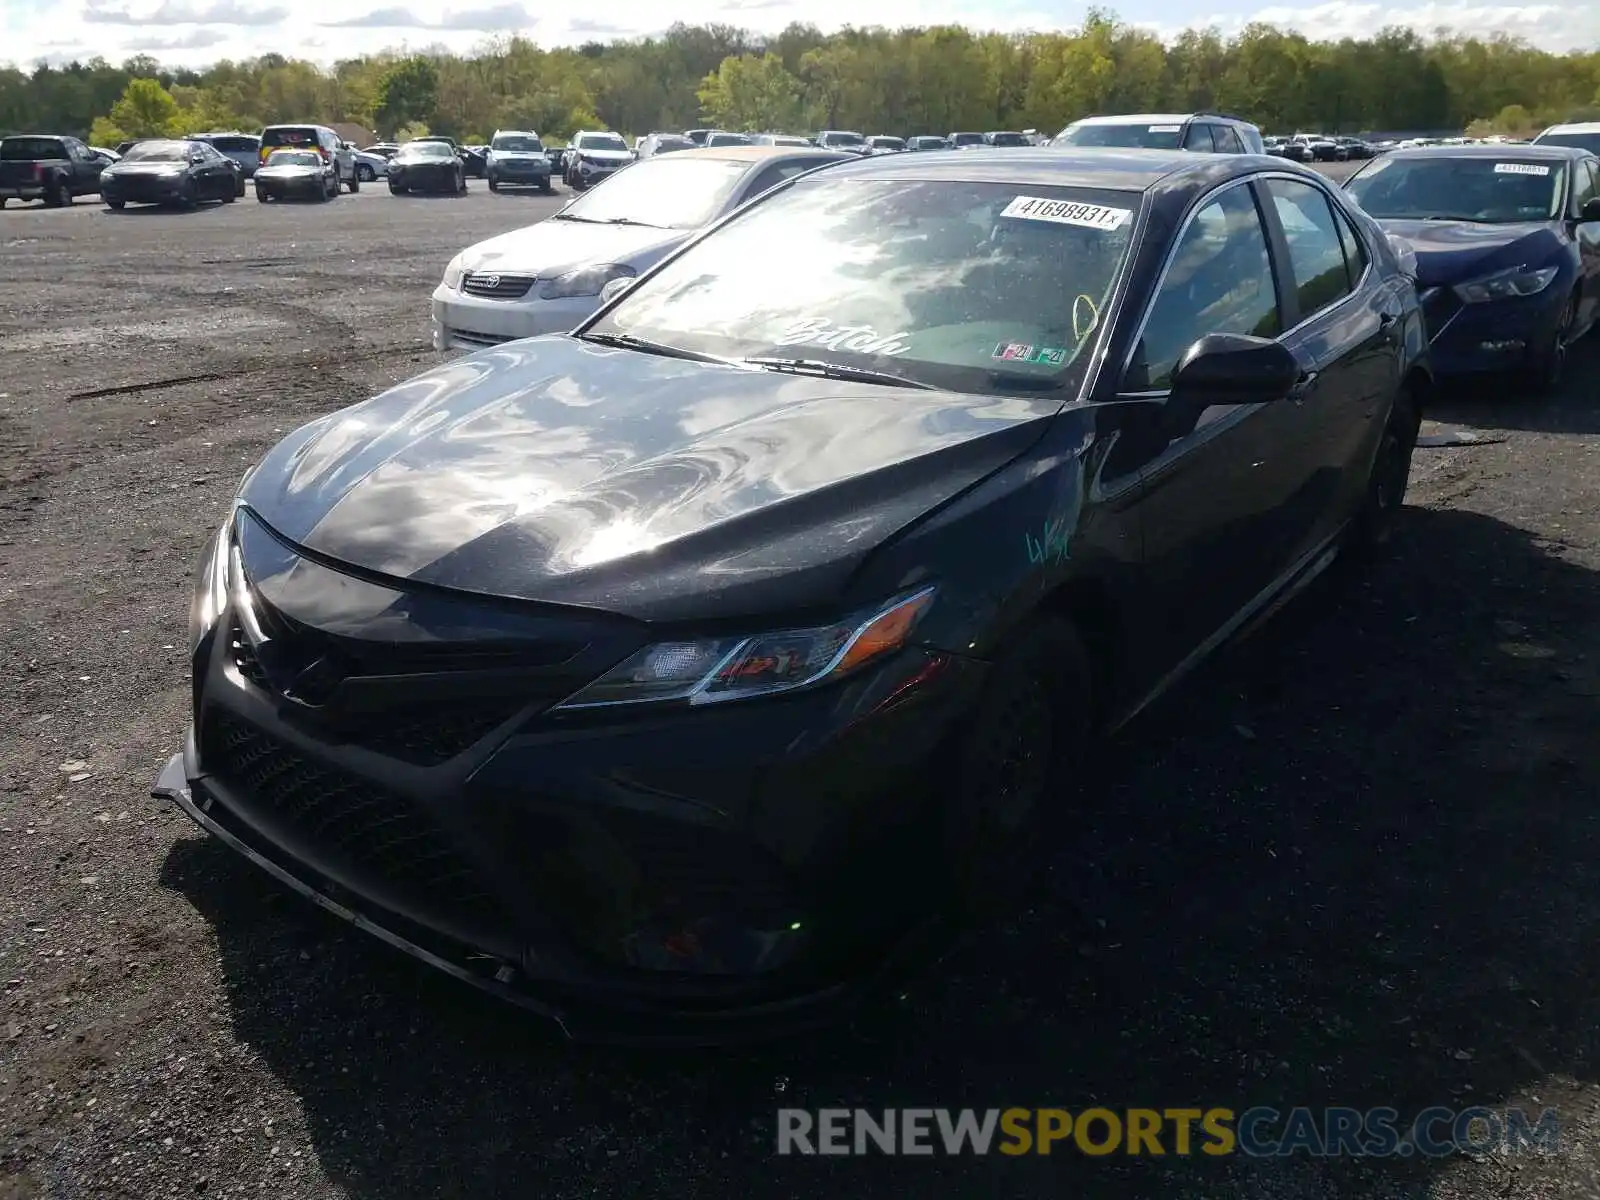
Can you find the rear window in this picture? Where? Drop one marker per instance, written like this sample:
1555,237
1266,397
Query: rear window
234,145
1160,135
27,149
289,135
517,143
1008,139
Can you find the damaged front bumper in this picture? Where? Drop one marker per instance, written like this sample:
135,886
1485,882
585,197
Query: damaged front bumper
584,1011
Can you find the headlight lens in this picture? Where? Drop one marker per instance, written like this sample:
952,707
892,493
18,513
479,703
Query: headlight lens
1505,285
717,669
453,271
210,585
585,281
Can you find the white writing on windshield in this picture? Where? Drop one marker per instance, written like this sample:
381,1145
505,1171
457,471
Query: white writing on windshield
864,339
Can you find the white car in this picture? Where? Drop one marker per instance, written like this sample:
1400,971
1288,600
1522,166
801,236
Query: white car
370,166
592,157
546,278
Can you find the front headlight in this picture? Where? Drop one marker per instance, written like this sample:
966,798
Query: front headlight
585,281
1505,285
454,270
210,585
717,669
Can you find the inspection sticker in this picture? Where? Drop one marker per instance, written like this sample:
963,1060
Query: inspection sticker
1023,352
1164,129
1520,169
1064,212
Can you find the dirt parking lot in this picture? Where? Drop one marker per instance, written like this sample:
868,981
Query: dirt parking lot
1355,862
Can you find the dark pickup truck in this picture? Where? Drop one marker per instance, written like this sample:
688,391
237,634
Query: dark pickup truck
48,168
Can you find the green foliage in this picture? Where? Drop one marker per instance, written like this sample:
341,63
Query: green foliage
917,80
408,92
146,109
750,93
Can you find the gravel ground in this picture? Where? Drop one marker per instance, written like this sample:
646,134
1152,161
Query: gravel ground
1356,861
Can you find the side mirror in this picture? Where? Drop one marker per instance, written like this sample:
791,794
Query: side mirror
1590,210
1224,367
615,288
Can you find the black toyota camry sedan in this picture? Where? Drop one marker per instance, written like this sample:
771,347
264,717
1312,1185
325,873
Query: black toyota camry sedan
426,167
674,676
171,171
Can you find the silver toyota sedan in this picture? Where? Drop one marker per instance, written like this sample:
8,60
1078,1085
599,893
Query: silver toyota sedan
547,277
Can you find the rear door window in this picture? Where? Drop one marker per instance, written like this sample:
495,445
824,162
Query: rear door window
1198,137
1316,250
1227,139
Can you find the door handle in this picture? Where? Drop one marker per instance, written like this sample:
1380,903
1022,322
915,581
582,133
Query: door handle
1302,387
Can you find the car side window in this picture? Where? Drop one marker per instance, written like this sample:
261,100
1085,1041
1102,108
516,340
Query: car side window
1585,186
772,176
1227,140
1198,137
1316,250
1219,280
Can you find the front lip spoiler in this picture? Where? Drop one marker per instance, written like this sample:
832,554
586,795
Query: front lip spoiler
619,1026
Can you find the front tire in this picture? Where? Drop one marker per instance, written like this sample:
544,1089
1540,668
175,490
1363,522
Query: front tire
113,205
354,183
57,196
1549,365
364,173
494,184
1014,766
1390,475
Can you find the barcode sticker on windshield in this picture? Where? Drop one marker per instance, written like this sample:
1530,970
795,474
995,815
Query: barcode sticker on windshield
1520,169
1164,128
1064,212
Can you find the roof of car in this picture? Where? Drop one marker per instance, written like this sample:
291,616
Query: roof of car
1139,119
754,153
1497,150
1575,127
1062,166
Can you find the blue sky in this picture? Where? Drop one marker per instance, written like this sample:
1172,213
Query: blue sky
195,32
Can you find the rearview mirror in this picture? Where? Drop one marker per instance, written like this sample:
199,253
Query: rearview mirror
615,288
1223,365
1590,210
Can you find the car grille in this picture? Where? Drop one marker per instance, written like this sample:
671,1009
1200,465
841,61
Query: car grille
466,337
490,286
396,848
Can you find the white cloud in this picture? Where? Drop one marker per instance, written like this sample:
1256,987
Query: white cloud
203,31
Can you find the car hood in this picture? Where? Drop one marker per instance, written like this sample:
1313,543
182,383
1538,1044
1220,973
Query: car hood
1451,252
556,470
605,156
552,246
146,168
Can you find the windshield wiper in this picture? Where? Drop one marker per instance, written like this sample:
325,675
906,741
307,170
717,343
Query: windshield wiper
627,341
571,217
625,221
823,369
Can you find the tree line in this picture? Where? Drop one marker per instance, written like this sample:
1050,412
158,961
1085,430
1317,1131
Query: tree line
903,81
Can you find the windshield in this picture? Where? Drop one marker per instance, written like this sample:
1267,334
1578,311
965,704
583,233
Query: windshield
1009,139
1143,136
601,141
517,143
842,139
1491,190
293,158
426,150
158,152
969,286
966,139
1585,141
886,143
727,139
667,145
669,193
